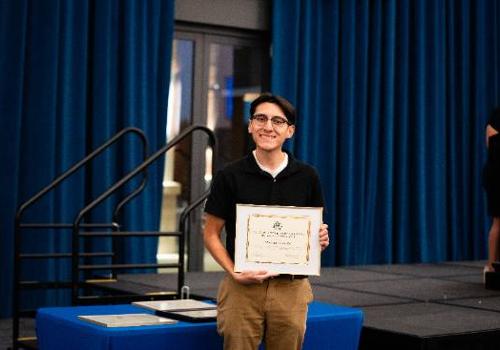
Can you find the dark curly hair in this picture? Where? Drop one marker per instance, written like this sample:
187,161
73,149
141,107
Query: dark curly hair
281,102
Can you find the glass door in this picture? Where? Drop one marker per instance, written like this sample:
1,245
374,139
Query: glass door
235,78
213,80
177,168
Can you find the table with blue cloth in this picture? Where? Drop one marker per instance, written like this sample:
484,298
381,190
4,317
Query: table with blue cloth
328,327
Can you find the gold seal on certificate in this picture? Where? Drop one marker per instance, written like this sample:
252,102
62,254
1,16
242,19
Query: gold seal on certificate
278,239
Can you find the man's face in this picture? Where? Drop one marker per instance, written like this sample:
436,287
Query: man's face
269,136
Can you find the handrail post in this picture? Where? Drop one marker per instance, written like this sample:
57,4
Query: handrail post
75,274
15,286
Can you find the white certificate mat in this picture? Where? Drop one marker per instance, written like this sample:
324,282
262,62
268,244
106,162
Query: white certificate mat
127,320
175,305
278,239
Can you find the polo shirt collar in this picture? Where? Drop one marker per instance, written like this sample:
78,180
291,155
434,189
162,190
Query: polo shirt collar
251,166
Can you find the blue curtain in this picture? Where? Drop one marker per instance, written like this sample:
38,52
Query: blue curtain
392,98
73,73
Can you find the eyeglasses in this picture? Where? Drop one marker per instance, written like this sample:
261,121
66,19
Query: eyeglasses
261,120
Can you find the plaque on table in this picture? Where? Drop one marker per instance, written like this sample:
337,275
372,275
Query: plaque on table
126,320
191,315
189,310
278,239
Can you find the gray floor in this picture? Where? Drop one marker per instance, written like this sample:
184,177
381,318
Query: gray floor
28,325
418,300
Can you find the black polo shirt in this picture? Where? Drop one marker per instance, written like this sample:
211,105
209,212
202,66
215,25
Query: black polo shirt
243,182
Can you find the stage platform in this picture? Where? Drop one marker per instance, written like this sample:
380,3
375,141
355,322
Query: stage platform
414,306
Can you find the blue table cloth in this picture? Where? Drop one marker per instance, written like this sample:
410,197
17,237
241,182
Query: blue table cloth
328,327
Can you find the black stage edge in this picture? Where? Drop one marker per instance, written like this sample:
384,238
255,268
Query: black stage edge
406,306
372,338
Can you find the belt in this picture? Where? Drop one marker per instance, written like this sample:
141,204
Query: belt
285,276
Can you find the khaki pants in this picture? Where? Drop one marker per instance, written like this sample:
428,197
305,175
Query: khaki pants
275,310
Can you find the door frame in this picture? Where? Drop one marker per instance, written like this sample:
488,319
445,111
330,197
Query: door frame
203,36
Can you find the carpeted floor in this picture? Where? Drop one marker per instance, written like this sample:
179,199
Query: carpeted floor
28,326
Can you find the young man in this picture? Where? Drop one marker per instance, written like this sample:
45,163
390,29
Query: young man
257,304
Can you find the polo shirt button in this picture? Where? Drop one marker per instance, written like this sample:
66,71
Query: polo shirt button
274,180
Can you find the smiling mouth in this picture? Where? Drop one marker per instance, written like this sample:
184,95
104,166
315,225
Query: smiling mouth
267,136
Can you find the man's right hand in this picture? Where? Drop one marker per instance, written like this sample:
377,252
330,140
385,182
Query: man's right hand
252,277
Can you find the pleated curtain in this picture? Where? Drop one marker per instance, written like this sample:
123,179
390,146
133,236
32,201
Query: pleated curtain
72,74
393,97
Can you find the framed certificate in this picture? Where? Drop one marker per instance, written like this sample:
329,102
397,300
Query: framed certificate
278,239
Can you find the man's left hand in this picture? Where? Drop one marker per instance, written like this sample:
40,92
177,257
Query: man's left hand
324,239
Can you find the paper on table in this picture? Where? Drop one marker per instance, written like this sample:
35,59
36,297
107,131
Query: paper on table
126,320
175,305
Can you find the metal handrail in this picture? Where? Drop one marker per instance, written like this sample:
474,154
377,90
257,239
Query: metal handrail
22,208
80,164
151,159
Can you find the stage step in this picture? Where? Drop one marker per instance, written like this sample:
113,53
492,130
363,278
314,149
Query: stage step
492,280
